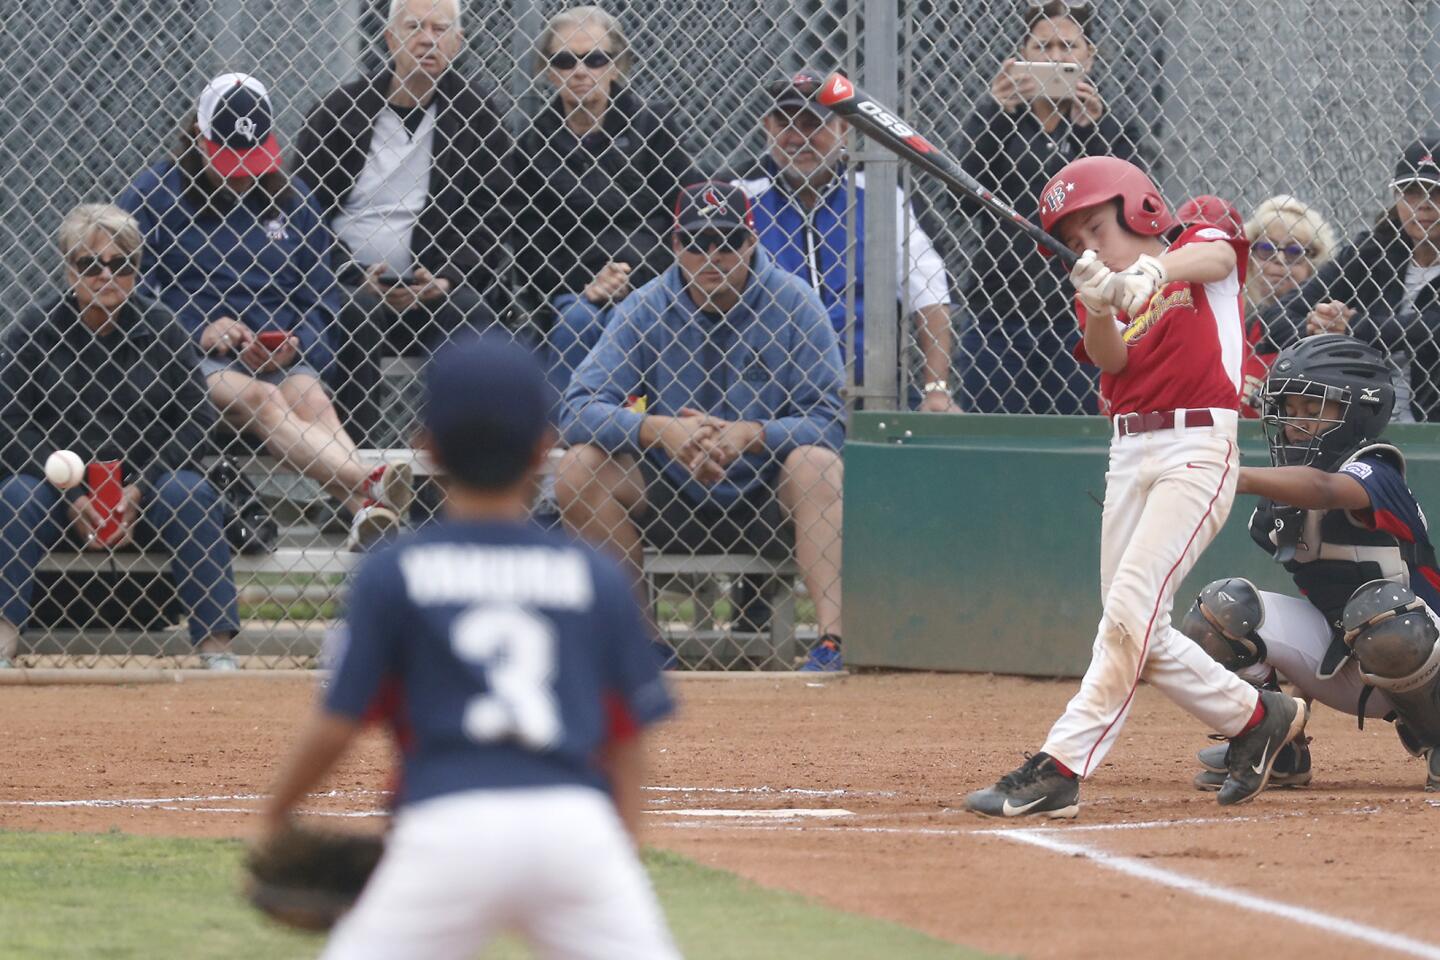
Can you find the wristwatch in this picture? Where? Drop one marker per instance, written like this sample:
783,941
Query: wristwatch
937,386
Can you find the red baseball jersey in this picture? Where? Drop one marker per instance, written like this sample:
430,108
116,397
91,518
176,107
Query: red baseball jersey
1186,348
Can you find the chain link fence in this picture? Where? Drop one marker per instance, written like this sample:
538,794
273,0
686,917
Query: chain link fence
518,166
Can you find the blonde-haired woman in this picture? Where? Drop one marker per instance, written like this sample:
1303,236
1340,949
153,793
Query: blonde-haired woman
110,375
1289,241
598,171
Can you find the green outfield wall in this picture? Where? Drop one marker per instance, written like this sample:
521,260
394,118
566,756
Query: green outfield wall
971,542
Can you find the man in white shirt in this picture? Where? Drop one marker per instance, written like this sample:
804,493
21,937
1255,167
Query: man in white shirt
407,166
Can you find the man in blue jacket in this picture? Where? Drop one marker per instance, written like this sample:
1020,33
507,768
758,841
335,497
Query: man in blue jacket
803,217
710,413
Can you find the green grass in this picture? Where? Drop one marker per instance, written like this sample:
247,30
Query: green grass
112,895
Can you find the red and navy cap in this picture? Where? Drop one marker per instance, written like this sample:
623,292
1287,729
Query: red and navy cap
237,126
713,205
797,92
487,405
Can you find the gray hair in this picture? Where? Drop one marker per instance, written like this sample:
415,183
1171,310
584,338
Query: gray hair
567,21
88,219
398,6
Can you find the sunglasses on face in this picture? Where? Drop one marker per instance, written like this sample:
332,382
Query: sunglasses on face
1265,250
595,60
729,242
95,266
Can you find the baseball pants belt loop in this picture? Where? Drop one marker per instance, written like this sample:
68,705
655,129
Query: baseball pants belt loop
1130,424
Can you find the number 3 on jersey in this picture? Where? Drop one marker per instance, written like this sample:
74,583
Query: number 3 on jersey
516,650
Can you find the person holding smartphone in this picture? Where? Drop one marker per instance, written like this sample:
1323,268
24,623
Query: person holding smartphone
1044,110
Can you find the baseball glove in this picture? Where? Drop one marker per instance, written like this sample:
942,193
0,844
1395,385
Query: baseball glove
307,879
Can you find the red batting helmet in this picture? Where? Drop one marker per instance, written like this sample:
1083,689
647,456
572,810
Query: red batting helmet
1208,208
1091,181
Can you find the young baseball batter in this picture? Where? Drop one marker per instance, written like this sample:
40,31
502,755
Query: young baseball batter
1164,325
526,673
1363,636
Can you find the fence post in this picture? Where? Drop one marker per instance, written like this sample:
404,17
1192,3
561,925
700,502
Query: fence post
881,389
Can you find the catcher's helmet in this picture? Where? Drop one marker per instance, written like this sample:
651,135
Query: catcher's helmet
1091,181
1213,210
1334,367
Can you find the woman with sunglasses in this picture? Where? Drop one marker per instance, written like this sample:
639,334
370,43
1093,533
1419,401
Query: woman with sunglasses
598,171
111,376
1382,288
1289,241
1013,359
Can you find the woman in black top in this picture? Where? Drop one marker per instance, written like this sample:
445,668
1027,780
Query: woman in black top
597,173
1016,341
111,376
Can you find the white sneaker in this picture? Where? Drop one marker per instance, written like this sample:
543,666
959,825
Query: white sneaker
223,661
392,484
373,523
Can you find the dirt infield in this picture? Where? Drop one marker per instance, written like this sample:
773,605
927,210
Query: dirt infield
869,770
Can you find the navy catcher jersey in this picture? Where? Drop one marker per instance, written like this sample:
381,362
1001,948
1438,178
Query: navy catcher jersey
517,653
1394,510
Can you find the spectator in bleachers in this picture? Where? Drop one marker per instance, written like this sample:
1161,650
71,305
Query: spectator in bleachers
1014,357
596,174
803,213
1384,287
1289,240
407,166
109,375
710,411
238,253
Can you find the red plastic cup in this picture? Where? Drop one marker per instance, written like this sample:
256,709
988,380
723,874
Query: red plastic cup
107,495
272,340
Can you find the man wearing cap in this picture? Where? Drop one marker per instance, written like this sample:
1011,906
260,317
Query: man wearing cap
803,216
709,413
406,167
239,254
1384,287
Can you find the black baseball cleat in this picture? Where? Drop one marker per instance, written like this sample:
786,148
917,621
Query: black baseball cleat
1292,766
1252,754
1036,789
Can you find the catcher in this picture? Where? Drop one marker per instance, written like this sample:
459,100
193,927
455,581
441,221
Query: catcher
1338,514
527,674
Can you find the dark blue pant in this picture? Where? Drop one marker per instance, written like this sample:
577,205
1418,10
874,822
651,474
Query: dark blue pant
180,510
1023,369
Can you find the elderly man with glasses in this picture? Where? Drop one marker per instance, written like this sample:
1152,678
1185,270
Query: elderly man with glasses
708,418
111,376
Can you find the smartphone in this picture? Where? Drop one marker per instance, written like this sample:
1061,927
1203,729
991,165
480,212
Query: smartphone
388,279
1057,80
272,340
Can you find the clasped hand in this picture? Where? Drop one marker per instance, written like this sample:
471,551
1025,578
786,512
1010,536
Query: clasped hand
706,445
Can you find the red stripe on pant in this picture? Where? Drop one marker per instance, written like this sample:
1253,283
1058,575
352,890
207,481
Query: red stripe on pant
1150,624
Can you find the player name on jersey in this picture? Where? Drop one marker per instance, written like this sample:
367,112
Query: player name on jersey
446,573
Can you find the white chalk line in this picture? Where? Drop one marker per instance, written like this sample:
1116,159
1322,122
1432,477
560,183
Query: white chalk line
1130,866
772,791
795,813
159,801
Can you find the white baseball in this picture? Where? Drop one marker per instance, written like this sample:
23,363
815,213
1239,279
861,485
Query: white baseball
64,469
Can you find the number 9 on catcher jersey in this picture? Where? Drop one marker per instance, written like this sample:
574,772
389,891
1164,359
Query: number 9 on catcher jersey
518,654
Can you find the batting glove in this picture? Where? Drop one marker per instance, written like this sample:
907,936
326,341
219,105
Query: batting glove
1133,288
1092,280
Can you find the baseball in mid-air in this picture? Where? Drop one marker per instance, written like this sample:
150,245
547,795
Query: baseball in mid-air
64,469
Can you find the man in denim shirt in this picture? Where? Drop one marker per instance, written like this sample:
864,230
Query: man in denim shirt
709,414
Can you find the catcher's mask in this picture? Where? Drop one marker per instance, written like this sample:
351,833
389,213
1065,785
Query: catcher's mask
1353,396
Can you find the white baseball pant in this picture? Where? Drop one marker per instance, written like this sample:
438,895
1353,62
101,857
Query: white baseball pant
1167,494
553,865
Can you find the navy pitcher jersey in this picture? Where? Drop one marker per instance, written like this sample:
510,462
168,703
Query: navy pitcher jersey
1394,510
517,654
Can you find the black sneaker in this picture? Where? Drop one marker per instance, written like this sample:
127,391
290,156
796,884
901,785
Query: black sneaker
1252,754
1037,789
1292,766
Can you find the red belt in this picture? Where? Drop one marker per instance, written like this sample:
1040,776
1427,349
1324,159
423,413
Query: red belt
1129,424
